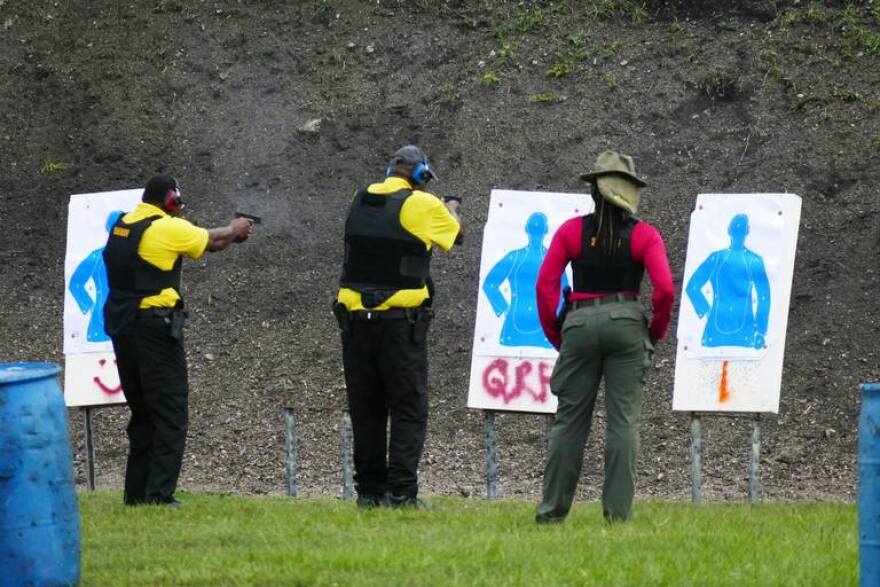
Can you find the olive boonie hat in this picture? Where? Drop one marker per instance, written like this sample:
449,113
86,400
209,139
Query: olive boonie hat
615,175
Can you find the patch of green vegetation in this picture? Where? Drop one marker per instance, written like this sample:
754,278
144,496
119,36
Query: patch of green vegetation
858,32
844,93
719,83
816,13
55,167
609,80
506,55
610,51
771,64
449,94
322,7
575,49
524,19
230,540
578,39
854,26
546,99
634,11
490,79
559,69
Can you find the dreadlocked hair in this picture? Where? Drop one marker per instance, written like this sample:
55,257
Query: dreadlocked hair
609,223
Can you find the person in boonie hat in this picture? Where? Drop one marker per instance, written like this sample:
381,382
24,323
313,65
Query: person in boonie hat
614,174
604,334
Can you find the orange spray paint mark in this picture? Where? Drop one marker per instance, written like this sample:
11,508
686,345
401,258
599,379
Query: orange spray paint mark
723,391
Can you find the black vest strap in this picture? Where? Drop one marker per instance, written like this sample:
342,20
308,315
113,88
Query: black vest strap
381,256
596,272
130,278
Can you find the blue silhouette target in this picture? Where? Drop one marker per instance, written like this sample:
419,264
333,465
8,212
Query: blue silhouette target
519,268
92,268
739,311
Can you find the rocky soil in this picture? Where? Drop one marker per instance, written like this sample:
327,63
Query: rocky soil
282,109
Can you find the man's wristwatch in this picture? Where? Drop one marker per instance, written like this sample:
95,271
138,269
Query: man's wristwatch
449,198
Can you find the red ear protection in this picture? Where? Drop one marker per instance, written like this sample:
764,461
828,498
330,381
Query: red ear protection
173,203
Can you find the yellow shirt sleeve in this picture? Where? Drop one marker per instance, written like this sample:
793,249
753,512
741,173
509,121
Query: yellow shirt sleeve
169,237
427,217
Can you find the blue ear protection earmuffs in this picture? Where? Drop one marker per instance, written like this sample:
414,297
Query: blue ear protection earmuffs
421,173
410,155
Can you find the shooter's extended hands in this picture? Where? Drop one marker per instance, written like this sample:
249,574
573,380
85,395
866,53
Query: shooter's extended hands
243,228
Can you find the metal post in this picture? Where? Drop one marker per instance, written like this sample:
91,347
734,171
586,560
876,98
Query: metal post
90,449
696,459
755,460
292,457
491,455
347,457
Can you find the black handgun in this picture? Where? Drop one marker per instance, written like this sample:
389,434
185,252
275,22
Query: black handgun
251,217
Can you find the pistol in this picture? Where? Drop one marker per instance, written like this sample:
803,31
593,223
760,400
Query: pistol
251,217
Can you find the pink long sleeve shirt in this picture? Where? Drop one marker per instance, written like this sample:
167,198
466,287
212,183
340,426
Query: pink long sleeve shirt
646,247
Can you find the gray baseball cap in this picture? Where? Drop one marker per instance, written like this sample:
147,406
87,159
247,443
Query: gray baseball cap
410,154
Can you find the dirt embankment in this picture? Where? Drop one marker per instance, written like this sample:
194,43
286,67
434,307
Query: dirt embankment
283,108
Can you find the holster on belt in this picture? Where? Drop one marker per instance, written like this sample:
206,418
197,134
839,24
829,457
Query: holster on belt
566,302
176,321
420,319
343,318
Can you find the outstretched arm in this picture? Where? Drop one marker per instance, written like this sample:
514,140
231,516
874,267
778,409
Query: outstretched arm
452,205
237,231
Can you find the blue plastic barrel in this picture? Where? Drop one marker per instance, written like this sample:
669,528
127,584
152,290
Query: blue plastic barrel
869,485
39,519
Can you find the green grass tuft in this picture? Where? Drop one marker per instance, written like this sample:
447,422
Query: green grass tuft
55,167
222,540
546,98
559,69
490,79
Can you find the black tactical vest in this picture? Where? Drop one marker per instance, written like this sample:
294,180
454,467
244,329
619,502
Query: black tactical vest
131,279
381,256
596,272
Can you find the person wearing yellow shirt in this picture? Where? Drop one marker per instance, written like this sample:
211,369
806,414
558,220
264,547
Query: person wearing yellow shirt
144,318
383,309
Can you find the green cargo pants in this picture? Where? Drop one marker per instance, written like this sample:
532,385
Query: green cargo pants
609,339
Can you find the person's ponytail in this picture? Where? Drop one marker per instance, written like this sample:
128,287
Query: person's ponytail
609,222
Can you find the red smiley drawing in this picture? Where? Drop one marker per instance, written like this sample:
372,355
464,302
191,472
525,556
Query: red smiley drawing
103,386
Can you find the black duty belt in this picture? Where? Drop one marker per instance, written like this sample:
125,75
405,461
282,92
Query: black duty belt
390,314
611,299
155,312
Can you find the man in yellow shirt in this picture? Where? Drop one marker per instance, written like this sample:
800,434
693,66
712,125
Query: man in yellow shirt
383,308
144,317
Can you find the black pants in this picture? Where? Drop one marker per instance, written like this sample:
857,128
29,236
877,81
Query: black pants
386,374
152,371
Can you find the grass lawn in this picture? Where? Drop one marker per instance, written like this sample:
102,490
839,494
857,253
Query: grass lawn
222,540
